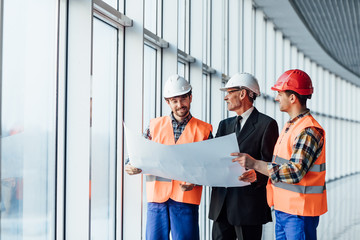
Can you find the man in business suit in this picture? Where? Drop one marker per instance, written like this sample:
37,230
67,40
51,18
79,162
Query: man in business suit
240,212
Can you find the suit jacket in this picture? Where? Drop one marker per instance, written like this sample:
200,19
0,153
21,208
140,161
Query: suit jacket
247,205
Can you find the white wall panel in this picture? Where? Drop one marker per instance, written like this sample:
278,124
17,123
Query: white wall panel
133,76
196,43
78,112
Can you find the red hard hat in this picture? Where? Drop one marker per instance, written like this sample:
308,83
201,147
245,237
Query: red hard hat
295,80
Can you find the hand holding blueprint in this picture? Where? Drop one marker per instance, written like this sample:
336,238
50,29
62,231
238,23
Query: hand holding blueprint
203,163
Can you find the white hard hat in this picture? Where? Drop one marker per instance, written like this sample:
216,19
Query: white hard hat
243,80
176,86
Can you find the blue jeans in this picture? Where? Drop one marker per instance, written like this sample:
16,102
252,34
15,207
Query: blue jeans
294,227
181,218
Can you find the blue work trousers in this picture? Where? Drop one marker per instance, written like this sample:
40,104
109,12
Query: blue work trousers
294,227
182,219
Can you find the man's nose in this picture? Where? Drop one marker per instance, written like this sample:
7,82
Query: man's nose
179,104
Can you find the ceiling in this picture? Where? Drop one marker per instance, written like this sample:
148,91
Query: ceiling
336,26
327,31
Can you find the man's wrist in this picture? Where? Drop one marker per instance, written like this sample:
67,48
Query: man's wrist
261,167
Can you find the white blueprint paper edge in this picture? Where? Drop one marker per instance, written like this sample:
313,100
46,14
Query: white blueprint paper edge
203,163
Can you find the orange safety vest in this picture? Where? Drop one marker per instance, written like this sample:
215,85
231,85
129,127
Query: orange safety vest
160,189
308,197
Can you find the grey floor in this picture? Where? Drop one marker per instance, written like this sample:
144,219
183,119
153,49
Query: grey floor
342,221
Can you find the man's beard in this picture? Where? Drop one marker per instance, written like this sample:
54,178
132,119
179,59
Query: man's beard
182,114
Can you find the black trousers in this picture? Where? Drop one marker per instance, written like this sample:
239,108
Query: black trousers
223,230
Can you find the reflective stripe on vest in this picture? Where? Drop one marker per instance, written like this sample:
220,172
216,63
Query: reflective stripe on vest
160,189
152,178
308,197
300,189
315,167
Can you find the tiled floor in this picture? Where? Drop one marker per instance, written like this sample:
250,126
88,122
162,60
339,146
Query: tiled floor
342,221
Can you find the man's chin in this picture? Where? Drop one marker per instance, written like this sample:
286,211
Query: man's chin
182,114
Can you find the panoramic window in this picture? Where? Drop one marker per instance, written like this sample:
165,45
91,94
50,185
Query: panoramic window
28,120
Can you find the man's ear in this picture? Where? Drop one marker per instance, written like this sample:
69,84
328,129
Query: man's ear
242,93
190,98
292,98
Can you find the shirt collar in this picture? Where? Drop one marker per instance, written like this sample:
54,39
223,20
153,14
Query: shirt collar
246,115
184,122
301,115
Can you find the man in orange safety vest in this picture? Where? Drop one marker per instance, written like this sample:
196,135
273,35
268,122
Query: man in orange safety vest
296,186
174,205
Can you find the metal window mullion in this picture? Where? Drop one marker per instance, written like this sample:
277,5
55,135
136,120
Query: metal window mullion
120,137
103,10
61,121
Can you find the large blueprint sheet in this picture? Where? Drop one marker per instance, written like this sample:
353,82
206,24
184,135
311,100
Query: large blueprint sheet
203,163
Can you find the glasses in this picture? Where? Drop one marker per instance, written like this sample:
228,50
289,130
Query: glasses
236,90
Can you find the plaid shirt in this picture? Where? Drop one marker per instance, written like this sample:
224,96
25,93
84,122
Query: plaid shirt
306,149
178,127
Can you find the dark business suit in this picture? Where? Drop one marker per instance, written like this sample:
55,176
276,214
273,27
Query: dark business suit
246,205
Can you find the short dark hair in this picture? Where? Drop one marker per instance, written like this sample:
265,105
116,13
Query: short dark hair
302,98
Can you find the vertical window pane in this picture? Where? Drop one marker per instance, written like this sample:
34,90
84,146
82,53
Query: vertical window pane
181,69
103,131
28,127
260,57
150,7
270,106
181,24
206,97
270,58
149,84
247,61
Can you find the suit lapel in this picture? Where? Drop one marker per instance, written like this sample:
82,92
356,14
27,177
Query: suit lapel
249,126
231,126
